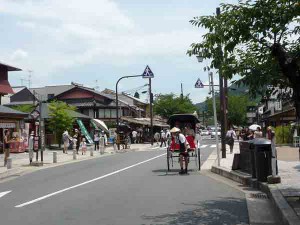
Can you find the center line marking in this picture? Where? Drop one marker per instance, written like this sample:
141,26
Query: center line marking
86,182
203,146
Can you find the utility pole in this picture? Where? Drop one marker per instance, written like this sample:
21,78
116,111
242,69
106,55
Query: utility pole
211,83
222,99
181,95
151,111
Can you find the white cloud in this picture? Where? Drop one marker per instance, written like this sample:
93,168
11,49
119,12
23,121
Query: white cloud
19,54
65,34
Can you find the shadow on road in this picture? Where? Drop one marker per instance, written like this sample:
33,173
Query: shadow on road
172,172
229,211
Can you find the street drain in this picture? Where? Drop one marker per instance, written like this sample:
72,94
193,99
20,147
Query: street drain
258,195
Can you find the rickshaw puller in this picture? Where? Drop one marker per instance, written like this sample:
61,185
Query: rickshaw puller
181,140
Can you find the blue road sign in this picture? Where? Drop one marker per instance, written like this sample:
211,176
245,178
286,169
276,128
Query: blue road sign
199,84
148,73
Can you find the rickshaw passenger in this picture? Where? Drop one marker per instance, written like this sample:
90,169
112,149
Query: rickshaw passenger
183,149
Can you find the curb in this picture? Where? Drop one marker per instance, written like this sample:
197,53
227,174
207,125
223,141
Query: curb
287,215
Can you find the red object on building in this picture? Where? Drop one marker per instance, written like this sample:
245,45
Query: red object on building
5,87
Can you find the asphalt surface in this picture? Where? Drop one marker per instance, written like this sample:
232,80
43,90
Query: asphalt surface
126,188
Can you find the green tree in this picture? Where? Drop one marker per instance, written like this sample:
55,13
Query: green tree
237,109
60,119
258,40
169,104
24,108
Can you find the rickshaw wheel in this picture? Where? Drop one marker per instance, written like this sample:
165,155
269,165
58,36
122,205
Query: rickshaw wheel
199,158
168,159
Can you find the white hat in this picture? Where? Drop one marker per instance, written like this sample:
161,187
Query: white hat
174,130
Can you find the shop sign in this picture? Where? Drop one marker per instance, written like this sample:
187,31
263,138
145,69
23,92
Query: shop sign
7,125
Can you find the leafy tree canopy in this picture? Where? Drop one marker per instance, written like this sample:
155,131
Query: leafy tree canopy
259,40
60,120
169,104
237,108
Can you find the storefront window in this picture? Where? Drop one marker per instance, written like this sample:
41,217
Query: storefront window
101,113
107,113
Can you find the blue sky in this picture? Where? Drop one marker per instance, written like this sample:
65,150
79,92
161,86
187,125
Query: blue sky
84,41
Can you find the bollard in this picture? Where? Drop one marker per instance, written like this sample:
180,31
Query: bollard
9,163
74,154
102,144
54,157
92,152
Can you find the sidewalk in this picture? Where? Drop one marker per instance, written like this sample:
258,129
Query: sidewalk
20,161
286,195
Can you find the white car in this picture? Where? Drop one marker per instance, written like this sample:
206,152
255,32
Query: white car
213,133
204,132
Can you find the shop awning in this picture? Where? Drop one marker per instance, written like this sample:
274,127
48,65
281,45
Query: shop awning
145,121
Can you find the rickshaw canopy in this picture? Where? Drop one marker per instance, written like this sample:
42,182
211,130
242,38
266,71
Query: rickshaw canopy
183,119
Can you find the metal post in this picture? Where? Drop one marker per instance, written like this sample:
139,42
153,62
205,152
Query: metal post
222,109
41,130
211,79
151,112
226,105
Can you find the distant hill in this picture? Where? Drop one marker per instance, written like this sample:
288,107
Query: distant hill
201,106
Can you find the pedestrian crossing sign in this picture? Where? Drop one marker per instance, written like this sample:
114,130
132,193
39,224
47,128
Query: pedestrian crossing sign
148,73
199,84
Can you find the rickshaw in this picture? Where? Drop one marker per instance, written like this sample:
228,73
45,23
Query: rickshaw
122,138
187,124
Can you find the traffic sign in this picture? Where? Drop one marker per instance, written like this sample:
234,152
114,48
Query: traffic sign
35,114
199,84
148,73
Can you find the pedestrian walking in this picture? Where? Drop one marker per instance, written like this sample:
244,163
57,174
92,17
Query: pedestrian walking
96,140
258,133
83,146
77,137
156,137
134,135
163,138
30,147
230,135
6,145
66,140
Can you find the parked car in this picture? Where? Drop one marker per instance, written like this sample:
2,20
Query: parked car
213,133
205,133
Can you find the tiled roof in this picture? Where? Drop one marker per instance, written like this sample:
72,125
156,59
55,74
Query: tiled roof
43,92
7,110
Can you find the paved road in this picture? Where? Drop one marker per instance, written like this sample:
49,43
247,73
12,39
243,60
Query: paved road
128,188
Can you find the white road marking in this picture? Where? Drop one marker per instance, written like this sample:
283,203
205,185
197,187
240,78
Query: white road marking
4,193
213,146
86,182
203,146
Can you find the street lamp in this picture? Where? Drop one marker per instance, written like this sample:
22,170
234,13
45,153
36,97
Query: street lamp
211,87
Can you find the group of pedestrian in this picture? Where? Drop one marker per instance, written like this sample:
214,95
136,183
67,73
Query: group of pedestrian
136,136
246,134
163,137
76,141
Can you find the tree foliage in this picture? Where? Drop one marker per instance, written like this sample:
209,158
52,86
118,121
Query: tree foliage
237,109
258,40
60,120
169,104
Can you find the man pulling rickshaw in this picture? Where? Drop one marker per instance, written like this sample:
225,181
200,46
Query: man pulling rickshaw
179,139
183,144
